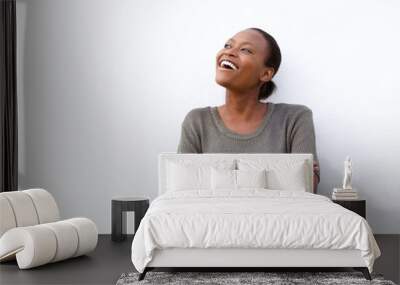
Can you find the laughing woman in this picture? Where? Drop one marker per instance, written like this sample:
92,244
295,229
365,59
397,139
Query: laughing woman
245,67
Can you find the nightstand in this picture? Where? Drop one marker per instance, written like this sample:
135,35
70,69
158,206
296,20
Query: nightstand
119,207
357,206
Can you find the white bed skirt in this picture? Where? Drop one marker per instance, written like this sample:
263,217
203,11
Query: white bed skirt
236,257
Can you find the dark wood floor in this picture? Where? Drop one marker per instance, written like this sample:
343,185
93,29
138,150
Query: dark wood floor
111,259
102,266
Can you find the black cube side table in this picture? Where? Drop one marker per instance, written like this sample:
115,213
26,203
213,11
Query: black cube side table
357,206
119,207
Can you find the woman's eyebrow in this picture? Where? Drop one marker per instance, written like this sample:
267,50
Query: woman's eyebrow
242,42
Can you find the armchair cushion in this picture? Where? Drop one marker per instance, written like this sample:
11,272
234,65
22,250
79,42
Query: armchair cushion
45,243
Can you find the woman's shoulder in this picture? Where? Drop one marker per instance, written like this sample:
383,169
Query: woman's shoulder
196,115
291,110
197,112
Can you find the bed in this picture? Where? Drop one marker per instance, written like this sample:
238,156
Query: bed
245,211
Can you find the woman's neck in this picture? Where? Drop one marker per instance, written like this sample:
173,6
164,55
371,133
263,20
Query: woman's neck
244,106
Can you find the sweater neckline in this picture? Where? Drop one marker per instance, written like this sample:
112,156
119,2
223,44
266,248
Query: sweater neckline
226,131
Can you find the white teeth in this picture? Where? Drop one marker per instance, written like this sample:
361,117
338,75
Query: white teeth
226,62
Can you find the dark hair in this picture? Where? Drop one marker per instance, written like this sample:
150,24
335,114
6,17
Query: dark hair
273,59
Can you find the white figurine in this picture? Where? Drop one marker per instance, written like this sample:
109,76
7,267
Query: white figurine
347,174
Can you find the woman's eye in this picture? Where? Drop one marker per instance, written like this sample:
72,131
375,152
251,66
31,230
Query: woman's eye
247,50
243,49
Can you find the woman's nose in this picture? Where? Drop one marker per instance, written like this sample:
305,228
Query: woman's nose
231,52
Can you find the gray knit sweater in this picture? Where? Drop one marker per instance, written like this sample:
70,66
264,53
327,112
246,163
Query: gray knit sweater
286,128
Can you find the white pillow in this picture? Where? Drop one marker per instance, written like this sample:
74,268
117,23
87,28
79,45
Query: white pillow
251,178
288,179
281,174
223,178
183,177
237,179
188,174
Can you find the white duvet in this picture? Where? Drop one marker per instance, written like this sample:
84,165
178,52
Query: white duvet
250,218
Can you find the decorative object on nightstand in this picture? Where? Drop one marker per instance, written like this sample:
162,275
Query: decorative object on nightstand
119,208
346,192
357,206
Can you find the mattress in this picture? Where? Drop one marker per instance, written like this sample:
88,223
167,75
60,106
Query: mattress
250,219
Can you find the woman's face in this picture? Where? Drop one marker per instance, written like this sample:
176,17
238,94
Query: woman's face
245,69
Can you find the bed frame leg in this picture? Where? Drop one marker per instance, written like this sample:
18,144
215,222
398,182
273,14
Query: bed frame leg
143,274
364,271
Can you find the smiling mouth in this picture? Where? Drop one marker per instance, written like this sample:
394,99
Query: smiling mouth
226,64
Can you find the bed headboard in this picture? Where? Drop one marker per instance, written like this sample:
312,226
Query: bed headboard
201,158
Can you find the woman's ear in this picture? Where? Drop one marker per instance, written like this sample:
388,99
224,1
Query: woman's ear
267,74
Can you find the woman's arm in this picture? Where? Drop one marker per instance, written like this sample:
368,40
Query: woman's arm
302,138
316,176
189,141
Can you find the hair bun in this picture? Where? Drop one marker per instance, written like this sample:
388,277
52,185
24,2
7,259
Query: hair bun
266,90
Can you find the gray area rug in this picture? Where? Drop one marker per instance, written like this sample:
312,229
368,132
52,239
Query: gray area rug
225,278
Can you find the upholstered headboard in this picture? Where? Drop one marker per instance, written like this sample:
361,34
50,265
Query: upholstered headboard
231,158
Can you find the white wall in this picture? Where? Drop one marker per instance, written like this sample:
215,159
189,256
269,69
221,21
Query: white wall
105,85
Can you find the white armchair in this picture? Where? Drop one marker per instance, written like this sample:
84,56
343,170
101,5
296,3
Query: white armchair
32,233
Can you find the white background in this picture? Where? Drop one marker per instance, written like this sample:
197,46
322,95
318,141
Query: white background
103,87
